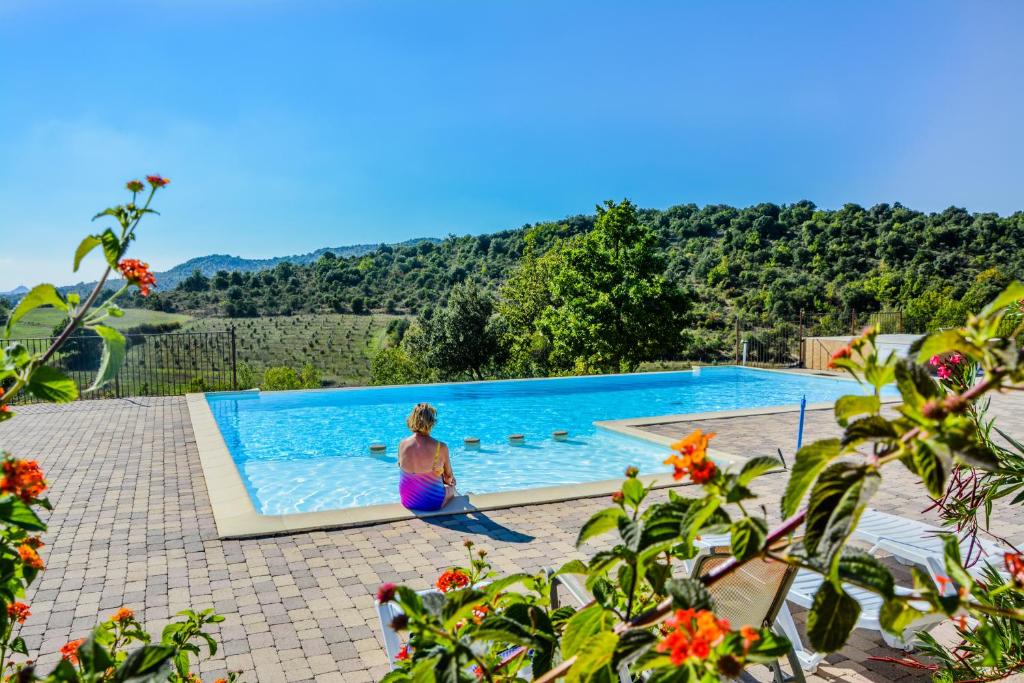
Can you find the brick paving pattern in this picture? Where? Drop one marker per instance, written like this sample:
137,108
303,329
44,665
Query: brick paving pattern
132,526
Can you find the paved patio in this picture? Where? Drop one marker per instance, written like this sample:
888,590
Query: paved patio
133,527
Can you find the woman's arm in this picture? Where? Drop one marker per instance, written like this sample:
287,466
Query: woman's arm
448,477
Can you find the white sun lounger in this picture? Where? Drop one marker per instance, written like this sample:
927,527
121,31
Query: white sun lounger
913,542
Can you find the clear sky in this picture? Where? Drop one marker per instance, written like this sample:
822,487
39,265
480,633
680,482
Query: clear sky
290,125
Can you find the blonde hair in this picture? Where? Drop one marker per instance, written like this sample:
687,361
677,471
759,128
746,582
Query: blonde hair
422,418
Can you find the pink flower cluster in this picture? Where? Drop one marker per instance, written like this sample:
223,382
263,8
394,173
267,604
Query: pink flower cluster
944,367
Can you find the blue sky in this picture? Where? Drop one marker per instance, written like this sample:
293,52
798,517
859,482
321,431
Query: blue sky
287,126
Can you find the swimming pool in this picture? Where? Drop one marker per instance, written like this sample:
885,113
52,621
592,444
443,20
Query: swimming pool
305,451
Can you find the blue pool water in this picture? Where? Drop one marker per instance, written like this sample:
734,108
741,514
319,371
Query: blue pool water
300,451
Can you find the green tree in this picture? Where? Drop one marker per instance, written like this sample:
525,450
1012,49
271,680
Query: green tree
196,282
610,305
466,336
522,300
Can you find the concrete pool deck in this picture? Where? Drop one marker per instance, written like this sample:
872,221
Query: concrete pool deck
133,525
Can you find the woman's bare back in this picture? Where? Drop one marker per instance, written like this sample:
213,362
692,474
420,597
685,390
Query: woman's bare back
416,456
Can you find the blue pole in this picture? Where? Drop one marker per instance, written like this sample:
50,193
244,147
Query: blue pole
800,429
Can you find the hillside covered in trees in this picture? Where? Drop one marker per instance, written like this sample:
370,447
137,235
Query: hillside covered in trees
765,263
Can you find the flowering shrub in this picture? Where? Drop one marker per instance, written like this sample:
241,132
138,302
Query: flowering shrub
118,649
647,618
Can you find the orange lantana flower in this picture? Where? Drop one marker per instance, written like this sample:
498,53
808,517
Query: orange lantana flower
693,634
692,457
29,556
750,636
844,352
452,579
23,478
137,273
70,651
123,614
18,611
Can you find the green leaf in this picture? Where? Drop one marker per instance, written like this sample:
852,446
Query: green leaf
92,656
459,605
689,594
992,643
630,532
769,648
1013,293
954,565
748,537
755,467
915,384
584,625
857,566
50,384
111,247
978,455
572,567
699,516
633,643
87,245
872,428
147,663
835,505
500,584
601,522
895,616
112,357
663,521
931,467
633,491
833,615
810,460
849,406
18,645
40,295
593,659
15,511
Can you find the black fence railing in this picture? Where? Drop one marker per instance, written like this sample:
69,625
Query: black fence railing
155,364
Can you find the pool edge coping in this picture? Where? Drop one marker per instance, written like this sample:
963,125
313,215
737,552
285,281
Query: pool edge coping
235,516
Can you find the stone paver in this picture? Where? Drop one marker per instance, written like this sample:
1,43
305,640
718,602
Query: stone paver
132,526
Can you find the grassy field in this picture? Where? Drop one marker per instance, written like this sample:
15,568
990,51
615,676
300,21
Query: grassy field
338,345
40,322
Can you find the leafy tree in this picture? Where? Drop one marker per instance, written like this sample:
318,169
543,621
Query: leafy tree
196,282
465,337
611,306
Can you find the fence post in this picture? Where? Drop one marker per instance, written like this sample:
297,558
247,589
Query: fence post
737,354
234,364
800,342
853,321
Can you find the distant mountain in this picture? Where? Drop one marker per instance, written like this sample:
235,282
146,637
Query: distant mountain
209,265
15,293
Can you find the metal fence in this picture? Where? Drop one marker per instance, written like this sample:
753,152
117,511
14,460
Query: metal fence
155,364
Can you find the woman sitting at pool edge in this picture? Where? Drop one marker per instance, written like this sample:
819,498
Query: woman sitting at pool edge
425,482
